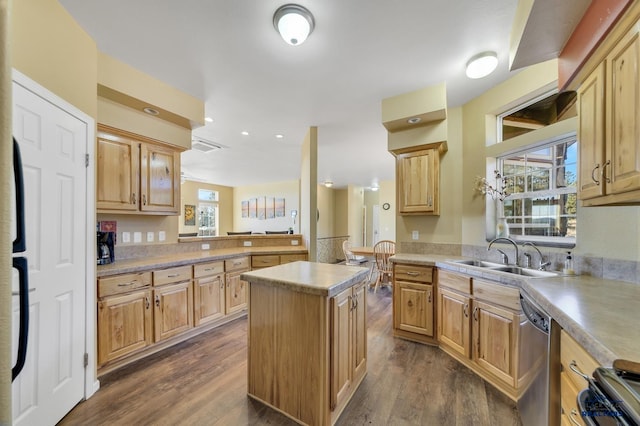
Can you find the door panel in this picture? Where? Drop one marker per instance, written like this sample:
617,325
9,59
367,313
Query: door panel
53,144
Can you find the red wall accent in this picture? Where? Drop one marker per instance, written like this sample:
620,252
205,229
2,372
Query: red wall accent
599,18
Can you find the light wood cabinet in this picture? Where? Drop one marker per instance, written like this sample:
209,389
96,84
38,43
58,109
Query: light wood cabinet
348,342
237,293
418,181
479,324
268,260
208,292
125,316
136,174
413,303
573,355
173,302
609,127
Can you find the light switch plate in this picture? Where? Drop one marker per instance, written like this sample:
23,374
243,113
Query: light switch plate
205,246
150,236
415,235
126,237
247,243
294,242
162,236
137,237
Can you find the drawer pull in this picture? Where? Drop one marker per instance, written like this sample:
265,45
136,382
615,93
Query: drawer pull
574,367
413,273
173,275
573,413
127,284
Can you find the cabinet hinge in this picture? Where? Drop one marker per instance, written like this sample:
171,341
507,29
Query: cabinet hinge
86,360
86,160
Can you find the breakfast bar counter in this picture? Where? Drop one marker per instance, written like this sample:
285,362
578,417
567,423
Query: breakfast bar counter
307,338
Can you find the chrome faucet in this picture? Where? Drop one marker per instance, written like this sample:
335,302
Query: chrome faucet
543,263
504,256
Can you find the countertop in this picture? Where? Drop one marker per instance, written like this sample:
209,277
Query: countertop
600,314
168,261
323,279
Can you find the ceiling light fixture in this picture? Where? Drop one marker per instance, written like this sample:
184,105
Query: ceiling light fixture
208,119
294,23
328,183
279,136
151,111
375,188
482,64
244,133
414,120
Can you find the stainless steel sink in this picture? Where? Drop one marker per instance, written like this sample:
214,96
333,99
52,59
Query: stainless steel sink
511,269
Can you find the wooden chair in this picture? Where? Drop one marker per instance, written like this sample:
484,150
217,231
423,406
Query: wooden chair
349,257
382,251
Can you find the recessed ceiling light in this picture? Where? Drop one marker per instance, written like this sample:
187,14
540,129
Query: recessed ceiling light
151,111
279,136
208,119
482,64
414,120
244,133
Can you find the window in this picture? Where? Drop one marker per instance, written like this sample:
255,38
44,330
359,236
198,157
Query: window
207,213
542,186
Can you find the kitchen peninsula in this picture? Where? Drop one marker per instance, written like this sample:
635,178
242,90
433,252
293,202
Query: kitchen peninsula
307,338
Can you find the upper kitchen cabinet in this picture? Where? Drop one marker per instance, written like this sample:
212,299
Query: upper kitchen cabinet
418,179
609,129
136,174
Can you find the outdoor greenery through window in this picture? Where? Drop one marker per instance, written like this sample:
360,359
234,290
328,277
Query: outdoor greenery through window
542,187
207,213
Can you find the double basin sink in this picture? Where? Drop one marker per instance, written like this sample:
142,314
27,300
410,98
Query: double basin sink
510,269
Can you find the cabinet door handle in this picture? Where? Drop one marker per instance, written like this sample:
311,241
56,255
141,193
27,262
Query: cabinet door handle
465,310
144,199
593,173
574,367
573,413
604,171
475,314
147,302
133,198
429,297
157,301
429,201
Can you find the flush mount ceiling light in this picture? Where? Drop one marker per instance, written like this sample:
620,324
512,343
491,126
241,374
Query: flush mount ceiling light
482,64
208,119
294,23
374,188
328,183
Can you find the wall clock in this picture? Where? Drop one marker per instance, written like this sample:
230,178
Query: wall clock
386,206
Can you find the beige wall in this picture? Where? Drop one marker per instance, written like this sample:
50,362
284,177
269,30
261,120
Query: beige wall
289,190
51,48
355,202
326,207
341,212
189,195
387,194
309,192
371,198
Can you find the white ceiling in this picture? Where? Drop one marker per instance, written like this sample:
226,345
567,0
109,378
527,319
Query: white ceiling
228,54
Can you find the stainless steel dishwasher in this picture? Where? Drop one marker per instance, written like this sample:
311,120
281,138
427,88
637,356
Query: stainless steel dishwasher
540,365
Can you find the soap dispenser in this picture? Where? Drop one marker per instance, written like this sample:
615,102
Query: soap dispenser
568,265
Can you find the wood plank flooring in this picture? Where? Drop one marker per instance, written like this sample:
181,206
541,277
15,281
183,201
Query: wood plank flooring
203,381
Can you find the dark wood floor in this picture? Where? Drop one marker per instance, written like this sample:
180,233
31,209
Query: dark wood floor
204,382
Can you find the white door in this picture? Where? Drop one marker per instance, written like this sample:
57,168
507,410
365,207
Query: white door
53,145
375,224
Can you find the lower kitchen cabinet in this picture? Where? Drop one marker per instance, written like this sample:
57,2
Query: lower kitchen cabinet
173,301
348,343
208,293
413,303
573,355
125,324
454,323
237,294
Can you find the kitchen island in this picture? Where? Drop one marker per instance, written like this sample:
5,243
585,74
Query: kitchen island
307,338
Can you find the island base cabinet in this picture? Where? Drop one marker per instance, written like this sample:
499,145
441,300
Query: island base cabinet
124,325
307,353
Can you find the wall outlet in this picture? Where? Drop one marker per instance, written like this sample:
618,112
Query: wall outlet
205,246
247,243
150,237
137,237
294,242
126,237
415,235
162,236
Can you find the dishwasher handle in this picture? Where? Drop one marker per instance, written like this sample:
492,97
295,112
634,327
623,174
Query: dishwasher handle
536,316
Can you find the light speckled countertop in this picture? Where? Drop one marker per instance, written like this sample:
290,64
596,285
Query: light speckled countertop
600,314
168,261
323,279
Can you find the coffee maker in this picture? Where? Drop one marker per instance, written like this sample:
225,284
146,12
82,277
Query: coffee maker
105,253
